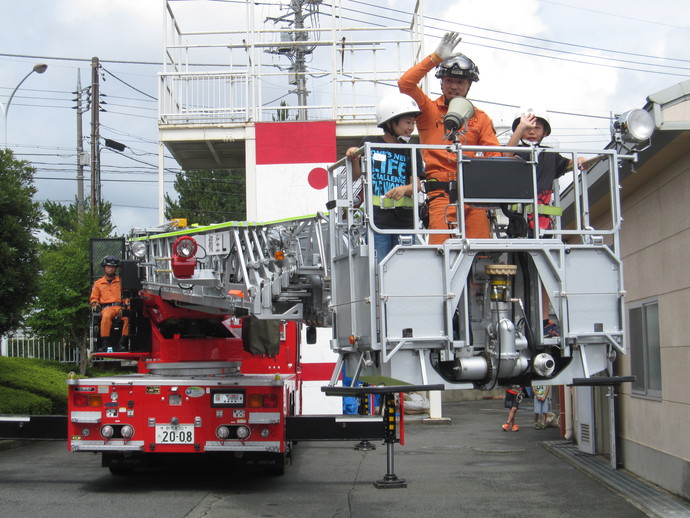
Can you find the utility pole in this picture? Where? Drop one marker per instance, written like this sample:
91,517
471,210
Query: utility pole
296,49
300,60
80,150
95,135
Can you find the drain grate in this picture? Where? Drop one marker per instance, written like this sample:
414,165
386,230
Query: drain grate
642,495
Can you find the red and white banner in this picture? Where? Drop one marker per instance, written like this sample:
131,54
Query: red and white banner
291,181
291,162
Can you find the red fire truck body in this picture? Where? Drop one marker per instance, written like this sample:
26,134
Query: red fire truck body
192,394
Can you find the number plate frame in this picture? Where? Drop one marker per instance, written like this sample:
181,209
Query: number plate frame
174,434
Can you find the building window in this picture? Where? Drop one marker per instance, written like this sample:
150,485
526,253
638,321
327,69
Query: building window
645,351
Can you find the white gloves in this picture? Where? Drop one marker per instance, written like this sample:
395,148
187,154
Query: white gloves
448,43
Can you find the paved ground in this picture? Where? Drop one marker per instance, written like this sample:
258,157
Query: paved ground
467,468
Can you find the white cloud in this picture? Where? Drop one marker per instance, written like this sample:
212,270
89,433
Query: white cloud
521,77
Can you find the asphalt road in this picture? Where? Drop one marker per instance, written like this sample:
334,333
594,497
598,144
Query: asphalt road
468,468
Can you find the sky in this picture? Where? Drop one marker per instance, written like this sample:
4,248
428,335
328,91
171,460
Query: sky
581,60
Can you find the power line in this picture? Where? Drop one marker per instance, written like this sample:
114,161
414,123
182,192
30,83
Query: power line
380,16
614,15
85,60
109,180
128,106
506,33
127,84
136,159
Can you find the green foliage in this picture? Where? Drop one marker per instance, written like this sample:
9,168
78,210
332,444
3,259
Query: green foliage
35,378
38,387
19,220
61,311
282,114
207,197
64,220
20,402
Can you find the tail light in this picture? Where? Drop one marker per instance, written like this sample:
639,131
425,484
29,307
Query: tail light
262,401
87,400
183,258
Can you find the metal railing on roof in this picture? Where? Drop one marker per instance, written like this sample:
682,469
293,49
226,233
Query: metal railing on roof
254,81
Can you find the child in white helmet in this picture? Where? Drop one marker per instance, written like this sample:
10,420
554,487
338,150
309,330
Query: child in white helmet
390,170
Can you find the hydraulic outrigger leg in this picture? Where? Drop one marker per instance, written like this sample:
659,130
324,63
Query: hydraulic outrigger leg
390,480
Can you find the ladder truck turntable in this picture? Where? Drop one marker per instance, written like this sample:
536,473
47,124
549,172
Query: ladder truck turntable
209,305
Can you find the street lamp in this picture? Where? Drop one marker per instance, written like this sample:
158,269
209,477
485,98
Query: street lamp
39,69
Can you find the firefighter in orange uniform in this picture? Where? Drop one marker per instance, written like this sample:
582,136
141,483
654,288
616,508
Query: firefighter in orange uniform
106,297
457,73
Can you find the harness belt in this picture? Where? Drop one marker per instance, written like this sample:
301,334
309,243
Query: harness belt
436,185
109,304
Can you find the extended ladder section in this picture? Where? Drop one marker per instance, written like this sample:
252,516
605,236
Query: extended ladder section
465,313
272,271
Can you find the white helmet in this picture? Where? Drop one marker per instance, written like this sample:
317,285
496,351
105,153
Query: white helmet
539,113
395,105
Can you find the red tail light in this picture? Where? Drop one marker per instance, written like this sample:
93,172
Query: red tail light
87,400
270,401
262,401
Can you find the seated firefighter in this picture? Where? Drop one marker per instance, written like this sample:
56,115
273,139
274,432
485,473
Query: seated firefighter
106,298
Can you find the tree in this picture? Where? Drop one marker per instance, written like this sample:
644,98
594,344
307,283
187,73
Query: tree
206,197
282,114
61,311
65,218
19,220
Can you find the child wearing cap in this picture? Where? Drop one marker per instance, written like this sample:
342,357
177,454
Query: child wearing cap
530,127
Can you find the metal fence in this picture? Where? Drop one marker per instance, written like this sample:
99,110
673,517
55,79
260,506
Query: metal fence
22,344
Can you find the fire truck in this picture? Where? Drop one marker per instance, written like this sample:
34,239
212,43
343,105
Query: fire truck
215,311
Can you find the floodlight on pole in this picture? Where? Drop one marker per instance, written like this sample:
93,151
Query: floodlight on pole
39,68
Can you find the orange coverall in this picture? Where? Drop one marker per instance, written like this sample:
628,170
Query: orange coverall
105,292
440,164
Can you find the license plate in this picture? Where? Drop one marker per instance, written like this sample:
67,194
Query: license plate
174,434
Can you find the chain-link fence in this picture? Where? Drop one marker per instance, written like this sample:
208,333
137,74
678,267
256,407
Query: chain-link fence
100,247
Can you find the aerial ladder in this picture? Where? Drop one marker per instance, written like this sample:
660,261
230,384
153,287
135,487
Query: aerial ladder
464,314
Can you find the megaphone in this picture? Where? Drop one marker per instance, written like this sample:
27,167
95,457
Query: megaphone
459,110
